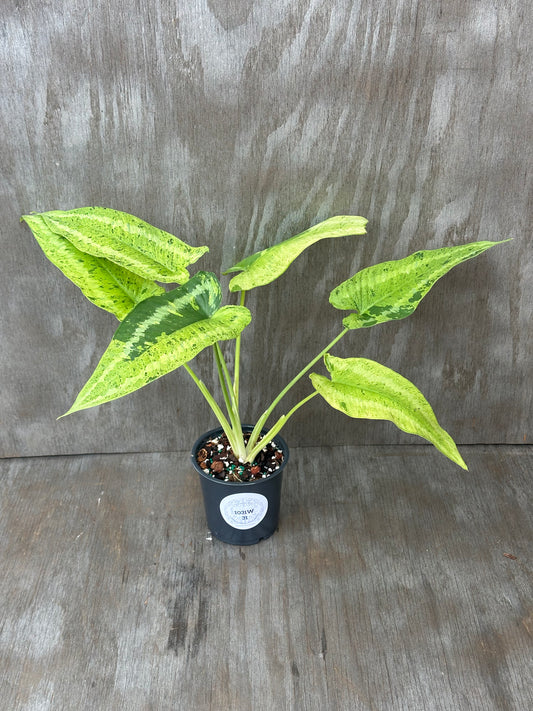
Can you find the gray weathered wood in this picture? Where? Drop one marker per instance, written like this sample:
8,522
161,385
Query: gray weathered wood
238,124
396,582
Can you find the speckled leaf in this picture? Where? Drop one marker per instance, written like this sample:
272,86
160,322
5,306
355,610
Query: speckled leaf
362,388
265,266
159,335
107,285
393,290
125,240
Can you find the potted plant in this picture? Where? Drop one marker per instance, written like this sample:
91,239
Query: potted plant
120,263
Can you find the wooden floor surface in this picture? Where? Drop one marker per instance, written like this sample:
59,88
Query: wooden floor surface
396,581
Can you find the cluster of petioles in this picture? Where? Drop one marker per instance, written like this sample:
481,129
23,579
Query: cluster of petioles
216,458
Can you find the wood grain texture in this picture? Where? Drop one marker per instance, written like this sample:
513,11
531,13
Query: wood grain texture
237,124
394,583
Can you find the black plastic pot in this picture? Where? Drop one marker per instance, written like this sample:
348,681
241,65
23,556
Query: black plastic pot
241,513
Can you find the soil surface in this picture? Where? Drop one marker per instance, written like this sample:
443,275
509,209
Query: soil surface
217,459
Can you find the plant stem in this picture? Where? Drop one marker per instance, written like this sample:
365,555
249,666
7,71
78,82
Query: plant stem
237,370
219,358
273,431
224,373
264,417
229,397
216,410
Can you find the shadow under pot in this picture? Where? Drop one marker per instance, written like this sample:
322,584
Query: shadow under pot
241,512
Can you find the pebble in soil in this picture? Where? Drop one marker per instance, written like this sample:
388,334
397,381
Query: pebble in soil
217,459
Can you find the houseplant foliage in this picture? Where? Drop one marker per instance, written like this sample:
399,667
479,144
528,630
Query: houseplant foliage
121,262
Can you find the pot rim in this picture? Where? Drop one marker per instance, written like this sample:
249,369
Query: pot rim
278,439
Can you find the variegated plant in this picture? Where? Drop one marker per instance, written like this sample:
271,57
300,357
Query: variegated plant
119,262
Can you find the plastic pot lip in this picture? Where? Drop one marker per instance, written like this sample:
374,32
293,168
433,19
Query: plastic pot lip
278,439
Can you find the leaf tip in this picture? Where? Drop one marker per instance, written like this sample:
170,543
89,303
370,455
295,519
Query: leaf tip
70,411
28,218
455,456
461,462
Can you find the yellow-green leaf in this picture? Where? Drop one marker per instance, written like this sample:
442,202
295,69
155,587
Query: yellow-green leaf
265,266
362,388
159,335
393,290
104,283
125,240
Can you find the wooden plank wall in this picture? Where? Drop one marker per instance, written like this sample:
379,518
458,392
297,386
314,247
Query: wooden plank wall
238,124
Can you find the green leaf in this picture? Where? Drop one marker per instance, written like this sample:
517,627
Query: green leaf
393,290
265,266
362,388
125,240
107,285
159,335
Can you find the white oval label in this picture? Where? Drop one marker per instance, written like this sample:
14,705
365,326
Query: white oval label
243,511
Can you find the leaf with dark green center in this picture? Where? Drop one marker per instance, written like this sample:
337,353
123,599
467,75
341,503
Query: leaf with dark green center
104,283
263,267
392,290
159,335
125,240
362,388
